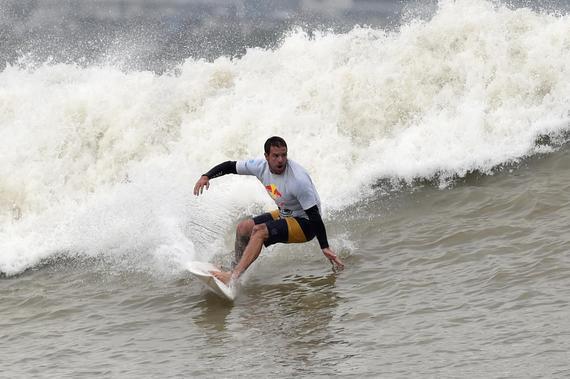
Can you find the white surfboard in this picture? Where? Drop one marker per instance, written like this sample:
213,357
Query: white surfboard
202,271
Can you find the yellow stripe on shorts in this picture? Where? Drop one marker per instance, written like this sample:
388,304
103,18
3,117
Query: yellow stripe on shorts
296,234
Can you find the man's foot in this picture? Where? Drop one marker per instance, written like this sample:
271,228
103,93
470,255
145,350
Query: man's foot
223,276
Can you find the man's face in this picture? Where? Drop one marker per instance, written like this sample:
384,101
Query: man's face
277,159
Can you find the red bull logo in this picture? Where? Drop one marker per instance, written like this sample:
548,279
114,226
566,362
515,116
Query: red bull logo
273,191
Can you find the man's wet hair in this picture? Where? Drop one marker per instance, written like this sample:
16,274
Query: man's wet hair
274,141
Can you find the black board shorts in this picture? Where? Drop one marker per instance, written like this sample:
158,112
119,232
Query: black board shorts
285,229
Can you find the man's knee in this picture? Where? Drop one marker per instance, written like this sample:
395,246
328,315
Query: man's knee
245,228
260,231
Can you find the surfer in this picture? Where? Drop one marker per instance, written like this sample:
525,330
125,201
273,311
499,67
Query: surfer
297,219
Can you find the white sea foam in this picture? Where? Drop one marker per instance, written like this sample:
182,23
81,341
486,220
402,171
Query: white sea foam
100,161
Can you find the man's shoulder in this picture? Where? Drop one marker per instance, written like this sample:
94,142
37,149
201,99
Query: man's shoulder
299,174
303,187
255,161
297,168
252,166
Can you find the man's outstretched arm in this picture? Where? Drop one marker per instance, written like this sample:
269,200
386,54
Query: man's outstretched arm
228,167
321,233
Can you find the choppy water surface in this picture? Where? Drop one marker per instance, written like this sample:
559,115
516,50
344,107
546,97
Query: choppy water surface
440,151
468,281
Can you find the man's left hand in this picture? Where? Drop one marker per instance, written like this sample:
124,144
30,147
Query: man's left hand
332,257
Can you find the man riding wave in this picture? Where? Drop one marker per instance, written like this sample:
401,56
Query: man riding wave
297,218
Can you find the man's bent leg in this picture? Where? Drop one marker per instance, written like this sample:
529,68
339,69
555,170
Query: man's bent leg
259,235
243,233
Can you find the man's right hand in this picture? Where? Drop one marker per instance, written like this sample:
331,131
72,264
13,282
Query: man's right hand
204,181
